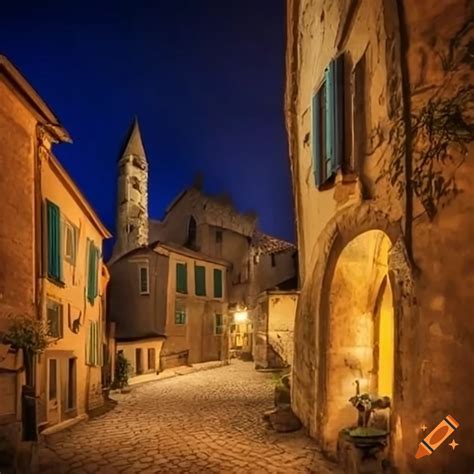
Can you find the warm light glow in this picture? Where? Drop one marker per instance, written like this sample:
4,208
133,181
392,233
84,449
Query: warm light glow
386,344
240,316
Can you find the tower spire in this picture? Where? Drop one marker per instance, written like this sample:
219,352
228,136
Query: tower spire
132,194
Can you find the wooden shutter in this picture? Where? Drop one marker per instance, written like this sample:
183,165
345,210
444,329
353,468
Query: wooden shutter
200,277
316,138
330,120
54,237
92,272
181,278
338,113
217,283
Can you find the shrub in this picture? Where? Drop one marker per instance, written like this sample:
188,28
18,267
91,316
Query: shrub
122,370
26,333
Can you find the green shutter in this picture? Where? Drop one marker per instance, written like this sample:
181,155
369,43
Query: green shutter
217,283
330,120
200,277
54,241
316,137
181,278
92,272
339,134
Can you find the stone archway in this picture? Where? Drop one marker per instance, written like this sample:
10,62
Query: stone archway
360,336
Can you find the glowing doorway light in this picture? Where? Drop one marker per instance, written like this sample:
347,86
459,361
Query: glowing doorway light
240,316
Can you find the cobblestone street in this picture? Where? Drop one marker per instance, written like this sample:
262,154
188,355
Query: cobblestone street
209,421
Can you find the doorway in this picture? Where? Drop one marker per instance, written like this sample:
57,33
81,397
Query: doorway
361,334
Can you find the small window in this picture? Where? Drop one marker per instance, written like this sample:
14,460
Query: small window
219,324
138,361
180,315
144,280
94,345
192,233
217,283
181,278
218,236
70,242
273,257
151,359
54,313
200,277
53,377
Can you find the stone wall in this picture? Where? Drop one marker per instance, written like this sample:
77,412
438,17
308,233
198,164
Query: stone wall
408,109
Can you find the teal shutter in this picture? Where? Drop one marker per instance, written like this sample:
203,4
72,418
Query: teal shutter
200,277
92,272
339,113
54,239
316,138
217,283
181,278
330,122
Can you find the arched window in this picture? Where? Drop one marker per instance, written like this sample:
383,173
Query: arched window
192,231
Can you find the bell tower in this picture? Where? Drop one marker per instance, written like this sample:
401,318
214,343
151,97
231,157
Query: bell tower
132,194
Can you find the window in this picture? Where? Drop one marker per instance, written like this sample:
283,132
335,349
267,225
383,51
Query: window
93,345
200,277
219,324
192,233
217,283
54,314
71,384
53,225
53,379
181,278
180,315
144,281
273,257
218,236
92,271
138,361
151,359
70,242
327,123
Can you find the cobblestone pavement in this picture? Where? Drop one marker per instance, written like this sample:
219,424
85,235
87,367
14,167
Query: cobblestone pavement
209,421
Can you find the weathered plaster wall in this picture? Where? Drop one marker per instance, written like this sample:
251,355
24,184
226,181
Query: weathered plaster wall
129,351
268,276
431,84
72,296
17,185
198,335
136,314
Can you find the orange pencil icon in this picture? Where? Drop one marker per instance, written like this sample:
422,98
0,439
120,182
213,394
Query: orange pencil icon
437,437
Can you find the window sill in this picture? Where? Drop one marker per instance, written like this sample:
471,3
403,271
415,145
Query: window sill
56,282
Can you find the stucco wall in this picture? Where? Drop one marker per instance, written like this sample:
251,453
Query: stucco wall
17,185
430,296
129,351
198,334
72,295
269,276
138,314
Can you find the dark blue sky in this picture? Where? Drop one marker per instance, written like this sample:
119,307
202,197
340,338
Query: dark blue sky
205,78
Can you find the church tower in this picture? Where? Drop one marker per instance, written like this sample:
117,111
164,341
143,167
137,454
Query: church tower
132,194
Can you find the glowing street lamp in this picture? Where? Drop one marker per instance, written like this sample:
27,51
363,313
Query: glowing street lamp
240,316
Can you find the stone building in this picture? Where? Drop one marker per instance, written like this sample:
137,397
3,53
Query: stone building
178,299
42,276
378,104
207,229
23,115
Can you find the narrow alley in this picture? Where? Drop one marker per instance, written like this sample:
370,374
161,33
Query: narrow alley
209,421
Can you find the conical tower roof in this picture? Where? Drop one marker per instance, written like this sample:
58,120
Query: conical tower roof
133,144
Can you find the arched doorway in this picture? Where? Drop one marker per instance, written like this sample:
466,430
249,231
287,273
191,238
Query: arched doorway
360,331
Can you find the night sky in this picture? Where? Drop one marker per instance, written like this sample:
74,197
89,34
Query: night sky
205,78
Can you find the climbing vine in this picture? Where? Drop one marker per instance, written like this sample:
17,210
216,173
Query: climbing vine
441,132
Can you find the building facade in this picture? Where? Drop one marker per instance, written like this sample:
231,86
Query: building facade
379,118
169,304
73,291
24,117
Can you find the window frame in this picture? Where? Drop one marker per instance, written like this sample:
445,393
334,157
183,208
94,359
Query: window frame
146,267
60,315
183,291
181,310
204,289
72,231
221,279
221,326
